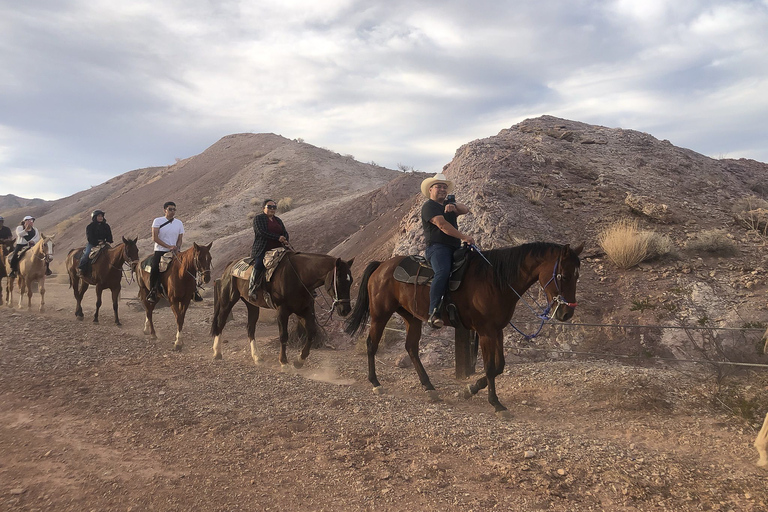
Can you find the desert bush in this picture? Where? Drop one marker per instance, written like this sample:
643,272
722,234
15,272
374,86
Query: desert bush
623,243
255,201
206,224
251,215
206,199
285,204
535,196
713,241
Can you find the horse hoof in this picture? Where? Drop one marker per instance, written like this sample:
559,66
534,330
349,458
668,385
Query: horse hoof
467,394
79,318
177,348
298,363
118,324
217,356
504,415
95,320
378,390
432,395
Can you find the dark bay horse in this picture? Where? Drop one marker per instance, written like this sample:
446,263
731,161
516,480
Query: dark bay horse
485,300
31,269
291,289
179,282
4,251
106,273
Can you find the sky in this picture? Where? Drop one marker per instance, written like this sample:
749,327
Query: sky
91,89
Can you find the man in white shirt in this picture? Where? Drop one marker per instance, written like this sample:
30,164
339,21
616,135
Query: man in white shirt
167,233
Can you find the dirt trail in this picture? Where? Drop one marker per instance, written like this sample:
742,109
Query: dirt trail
96,417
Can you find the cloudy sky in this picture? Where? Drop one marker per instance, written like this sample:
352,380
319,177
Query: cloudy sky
90,89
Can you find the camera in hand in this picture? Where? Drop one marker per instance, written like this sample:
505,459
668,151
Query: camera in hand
450,199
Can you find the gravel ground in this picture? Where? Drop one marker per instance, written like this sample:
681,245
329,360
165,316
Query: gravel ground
96,417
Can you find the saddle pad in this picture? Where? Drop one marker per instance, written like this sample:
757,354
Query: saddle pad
242,269
96,251
165,260
272,259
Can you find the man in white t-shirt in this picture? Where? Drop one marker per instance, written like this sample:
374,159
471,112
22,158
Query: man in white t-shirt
167,233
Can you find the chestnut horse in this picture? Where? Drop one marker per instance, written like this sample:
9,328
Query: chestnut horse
31,270
106,273
291,290
179,284
485,300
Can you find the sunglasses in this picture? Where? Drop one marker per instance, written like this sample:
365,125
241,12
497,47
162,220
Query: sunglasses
271,207
171,209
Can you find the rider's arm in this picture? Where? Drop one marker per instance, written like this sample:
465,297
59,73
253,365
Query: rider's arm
178,241
446,227
156,238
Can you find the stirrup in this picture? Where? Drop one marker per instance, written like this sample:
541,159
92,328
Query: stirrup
197,297
152,296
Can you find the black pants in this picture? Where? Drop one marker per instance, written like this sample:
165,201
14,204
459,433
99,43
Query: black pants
154,274
15,257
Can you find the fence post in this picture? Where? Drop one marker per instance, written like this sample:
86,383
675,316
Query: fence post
466,352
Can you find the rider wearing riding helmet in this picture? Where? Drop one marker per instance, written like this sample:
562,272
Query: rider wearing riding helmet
26,236
96,232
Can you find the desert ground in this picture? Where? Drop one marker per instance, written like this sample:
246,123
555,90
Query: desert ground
99,417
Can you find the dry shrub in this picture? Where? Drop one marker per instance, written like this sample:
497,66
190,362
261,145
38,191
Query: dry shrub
285,204
659,245
752,213
624,244
632,394
206,224
713,241
251,215
535,196
255,201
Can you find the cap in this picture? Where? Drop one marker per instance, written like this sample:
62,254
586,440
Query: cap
28,217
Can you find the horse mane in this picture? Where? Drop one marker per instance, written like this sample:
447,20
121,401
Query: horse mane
506,262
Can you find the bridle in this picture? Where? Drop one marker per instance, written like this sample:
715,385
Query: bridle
548,312
199,275
334,287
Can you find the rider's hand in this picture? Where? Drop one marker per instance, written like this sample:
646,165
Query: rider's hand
450,208
282,239
468,240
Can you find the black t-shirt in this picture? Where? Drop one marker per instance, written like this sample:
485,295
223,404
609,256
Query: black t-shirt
432,233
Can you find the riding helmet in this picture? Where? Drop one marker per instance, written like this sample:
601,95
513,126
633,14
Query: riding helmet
97,212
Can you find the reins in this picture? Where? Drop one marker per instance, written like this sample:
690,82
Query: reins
199,275
547,313
335,288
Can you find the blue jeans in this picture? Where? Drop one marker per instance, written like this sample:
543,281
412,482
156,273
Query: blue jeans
440,256
84,257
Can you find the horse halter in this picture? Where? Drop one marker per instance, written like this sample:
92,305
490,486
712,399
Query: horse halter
336,299
557,300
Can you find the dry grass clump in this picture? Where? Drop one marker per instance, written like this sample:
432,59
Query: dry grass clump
624,243
659,245
535,196
285,204
713,241
752,213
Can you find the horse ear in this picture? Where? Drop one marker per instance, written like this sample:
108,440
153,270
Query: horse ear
136,239
578,249
125,241
349,262
196,246
209,246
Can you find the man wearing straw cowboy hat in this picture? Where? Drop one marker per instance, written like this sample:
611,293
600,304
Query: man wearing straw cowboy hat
439,220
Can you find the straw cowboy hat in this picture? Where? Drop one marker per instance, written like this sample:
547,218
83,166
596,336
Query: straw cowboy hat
437,178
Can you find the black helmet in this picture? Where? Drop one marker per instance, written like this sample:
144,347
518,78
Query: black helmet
95,213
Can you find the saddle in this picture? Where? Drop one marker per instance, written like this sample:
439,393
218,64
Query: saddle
243,268
96,251
165,260
417,270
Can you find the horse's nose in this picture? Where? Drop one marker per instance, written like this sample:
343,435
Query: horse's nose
567,313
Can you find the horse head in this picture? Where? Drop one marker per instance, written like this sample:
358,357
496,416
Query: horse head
338,284
131,251
46,246
203,260
558,277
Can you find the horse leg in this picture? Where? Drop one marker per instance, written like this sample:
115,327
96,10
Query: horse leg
22,289
412,337
41,286
149,326
225,298
78,288
253,317
9,292
372,345
99,289
115,298
282,324
493,360
310,323
180,311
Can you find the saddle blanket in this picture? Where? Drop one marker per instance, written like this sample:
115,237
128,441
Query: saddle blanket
165,260
96,251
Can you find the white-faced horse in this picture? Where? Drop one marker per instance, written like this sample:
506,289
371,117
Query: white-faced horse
32,267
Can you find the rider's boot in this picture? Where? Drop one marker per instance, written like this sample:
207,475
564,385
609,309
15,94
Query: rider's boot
152,296
435,321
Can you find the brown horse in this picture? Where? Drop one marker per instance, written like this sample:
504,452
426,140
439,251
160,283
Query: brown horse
485,300
291,291
31,270
106,273
179,283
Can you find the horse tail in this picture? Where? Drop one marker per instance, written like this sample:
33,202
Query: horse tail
215,329
359,316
